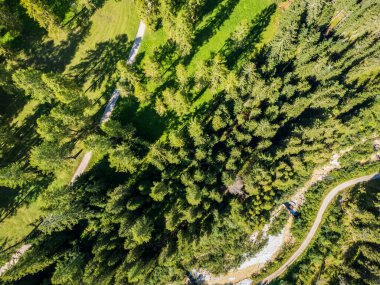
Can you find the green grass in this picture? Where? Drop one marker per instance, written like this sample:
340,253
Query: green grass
113,19
105,45
271,30
244,10
29,108
18,226
151,40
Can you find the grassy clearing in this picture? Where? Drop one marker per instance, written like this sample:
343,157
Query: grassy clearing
244,10
152,39
109,23
112,32
212,33
113,19
18,226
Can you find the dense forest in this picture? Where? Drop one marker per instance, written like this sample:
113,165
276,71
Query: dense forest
195,156
347,249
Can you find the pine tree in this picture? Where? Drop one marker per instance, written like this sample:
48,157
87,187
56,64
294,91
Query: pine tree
30,80
123,159
15,175
45,17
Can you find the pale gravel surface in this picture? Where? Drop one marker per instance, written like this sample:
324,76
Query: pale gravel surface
242,273
266,253
82,166
14,258
317,175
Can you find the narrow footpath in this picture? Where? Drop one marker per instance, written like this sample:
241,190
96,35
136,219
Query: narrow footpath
112,102
87,157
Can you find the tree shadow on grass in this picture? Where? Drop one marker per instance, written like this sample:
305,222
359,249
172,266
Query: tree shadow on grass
50,57
149,125
213,24
100,63
7,196
11,103
25,137
21,196
211,27
208,7
233,49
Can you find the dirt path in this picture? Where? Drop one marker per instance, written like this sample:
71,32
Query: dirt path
113,100
317,175
329,198
82,166
14,259
87,157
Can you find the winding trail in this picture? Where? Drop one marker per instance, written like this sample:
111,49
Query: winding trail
112,102
87,157
329,198
14,258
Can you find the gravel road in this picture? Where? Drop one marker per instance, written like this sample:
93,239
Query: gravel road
326,202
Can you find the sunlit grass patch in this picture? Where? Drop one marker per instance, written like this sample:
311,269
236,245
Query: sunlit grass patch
28,110
244,10
15,228
113,19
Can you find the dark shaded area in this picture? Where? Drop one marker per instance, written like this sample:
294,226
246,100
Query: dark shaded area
50,57
30,32
149,125
60,8
7,195
165,53
23,138
208,7
40,278
100,64
22,196
233,50
11,102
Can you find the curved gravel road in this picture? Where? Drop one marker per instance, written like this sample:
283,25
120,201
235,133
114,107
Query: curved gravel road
329,198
